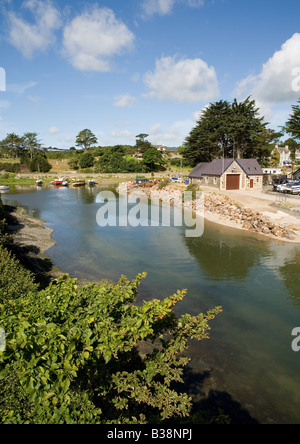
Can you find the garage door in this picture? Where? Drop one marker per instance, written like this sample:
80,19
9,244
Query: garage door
233,182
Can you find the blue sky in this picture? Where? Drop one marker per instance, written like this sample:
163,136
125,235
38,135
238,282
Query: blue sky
124,67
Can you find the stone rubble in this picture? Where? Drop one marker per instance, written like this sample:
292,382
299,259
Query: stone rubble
226,208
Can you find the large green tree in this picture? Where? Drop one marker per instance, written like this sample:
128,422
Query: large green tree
86,139
246,128
31,144
12,145
142,145
209,138
226,129
292,126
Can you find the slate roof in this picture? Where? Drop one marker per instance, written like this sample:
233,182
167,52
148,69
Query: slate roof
219,166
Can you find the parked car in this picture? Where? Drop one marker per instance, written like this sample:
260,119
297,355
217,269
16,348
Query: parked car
292,187
284,188
278,182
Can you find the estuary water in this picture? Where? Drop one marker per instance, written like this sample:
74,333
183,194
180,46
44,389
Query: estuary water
248,367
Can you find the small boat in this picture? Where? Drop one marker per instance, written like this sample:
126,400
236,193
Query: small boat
39,182
4,188
92,182
65,183
59,182
78,183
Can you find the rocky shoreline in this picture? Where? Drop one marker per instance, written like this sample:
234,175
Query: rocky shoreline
31,239
225,211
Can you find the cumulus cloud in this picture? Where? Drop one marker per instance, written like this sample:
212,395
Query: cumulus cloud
183,81
53,130
30,38
275,84
161,7
93,38
125,101
164,7
172,134
20,88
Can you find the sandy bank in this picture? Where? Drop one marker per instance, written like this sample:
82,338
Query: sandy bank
31,240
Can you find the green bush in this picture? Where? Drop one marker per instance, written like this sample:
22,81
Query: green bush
10,167
15,281
163,184
71,355
41,164
86,160
194,188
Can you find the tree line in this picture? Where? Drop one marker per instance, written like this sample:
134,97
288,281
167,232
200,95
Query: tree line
224,129
87,155
28,149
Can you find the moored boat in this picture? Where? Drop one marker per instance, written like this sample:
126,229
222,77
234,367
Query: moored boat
4,188
59,182
78,183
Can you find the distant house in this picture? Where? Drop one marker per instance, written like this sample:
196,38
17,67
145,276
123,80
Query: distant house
285,154
161,148
229,174
272,171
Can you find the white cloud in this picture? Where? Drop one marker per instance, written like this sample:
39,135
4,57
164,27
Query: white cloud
161,7
165,7
183,81
34,99
20,88
54,130
39,35
125,101
170,135
93,38
274,85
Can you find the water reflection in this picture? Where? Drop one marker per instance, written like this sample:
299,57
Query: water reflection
287,262
220,259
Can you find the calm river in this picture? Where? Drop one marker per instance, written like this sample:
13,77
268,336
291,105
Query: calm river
248,367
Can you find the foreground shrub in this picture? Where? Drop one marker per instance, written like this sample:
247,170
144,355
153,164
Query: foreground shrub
15,281
71,355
